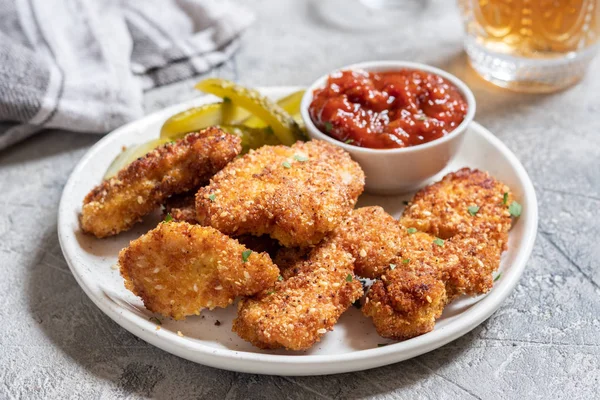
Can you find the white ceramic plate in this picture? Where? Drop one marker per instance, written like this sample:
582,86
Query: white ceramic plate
353,344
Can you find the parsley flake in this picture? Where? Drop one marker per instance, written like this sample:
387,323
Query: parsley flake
245,255
286,164
270,292
505,198
226,99
168,218
280,278
438,241
406,261
349,141
515,209
497,276
411,230
392,266
382,344
155,320
422,117
212,197
328,126
349,278
269,130
301,158
473,210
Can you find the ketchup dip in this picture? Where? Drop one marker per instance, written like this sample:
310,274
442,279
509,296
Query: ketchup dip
387,110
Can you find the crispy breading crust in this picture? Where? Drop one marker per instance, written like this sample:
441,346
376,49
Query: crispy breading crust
295,194
182,207
442,209
373,238
408,299
118,203
178,269
297,311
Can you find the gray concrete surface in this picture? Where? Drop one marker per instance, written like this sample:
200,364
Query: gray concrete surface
544,342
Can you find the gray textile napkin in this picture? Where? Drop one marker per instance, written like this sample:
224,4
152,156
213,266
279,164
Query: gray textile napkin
82,65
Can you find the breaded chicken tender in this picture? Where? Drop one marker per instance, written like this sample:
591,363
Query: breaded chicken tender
410,296
442,209
179,269
297,311
430,272
295,194
182,207
373,238
118,203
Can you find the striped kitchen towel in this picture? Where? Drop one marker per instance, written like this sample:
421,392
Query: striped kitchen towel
82,65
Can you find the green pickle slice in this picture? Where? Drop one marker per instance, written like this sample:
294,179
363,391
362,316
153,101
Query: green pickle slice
283,125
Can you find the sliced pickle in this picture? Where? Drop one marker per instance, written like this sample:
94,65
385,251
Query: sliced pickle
198,118
283,125
290,104
252,138
131,154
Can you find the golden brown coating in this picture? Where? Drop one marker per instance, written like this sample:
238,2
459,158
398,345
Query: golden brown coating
118,203
406,301
373,238
296,194
182,207
297,311
442,209
430,272
178,269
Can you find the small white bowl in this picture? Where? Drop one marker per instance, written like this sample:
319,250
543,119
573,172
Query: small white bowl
393,171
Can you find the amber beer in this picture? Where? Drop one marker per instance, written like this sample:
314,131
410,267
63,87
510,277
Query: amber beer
559,34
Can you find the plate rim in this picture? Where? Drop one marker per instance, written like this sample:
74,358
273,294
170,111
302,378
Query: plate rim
286,365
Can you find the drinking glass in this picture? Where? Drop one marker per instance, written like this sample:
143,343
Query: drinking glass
531,45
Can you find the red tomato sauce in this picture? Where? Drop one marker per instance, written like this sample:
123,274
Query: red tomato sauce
387,110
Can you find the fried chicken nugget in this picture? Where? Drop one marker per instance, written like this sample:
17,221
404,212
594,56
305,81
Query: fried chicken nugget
445,209
470,209
430,272
118,203
297,311
178,269
372,236
411,294
296,194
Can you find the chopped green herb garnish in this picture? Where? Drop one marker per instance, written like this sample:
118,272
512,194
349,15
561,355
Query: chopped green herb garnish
271,292
515,209
269,130
328,126
245,255
438,241
349,141
212,197
497,276
392,266
226,99
382,344
505,198
301,158
421,117
169,217
473,210
280,278
155,320
411,230
406,261
286,164
349,278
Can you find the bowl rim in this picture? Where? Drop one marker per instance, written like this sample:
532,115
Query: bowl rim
374,66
